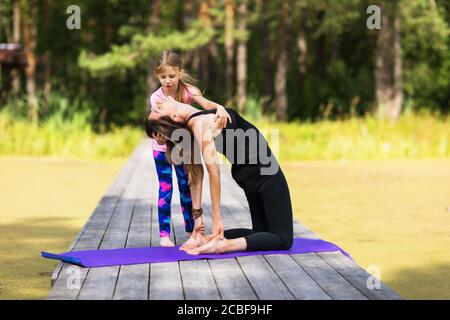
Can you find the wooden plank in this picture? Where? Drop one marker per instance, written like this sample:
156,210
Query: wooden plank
196,276
348,269
255,268
229,277
298,282
295,278
88,238
302,232
165,282
357,276
198,281
263,279
100,283
133,280
230,280
327,278
165,278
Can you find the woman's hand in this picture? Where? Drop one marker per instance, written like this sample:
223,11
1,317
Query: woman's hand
217,228
199,228
221,116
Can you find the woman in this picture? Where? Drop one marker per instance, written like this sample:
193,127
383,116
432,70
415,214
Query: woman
176,83
254,168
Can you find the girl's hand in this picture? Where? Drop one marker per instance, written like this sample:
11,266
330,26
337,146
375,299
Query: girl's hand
221,116
217,228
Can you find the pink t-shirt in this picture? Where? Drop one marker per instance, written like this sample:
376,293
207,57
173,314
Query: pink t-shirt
159,95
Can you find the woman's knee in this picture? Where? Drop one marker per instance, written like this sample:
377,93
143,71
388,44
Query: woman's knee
286,242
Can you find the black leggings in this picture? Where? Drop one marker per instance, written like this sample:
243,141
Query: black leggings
271,212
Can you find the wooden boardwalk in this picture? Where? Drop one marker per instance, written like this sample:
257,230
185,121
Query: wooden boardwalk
127,216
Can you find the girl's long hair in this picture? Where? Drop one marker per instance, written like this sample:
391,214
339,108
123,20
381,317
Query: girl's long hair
166,126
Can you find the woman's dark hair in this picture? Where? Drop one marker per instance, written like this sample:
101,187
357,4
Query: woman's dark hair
165,126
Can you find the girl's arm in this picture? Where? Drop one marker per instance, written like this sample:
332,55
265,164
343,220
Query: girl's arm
221,114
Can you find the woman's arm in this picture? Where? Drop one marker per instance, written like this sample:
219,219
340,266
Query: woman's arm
205,140
196,196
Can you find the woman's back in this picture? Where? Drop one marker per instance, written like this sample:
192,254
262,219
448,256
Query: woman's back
244,146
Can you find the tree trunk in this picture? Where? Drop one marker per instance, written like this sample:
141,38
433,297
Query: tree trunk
188,17
15,75
267,86
398,81
302,45
388,65
30,41
203,53
46,57
46,61
153,18
320,50
153,23
179,16
213,61
229,48
281,73
242,58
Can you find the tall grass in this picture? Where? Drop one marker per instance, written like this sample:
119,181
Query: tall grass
414,135
64,138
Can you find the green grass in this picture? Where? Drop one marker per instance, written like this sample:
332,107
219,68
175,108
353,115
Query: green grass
413,136
62,138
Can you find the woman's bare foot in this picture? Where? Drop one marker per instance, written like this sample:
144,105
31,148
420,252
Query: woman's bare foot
165,242
215,246
194,243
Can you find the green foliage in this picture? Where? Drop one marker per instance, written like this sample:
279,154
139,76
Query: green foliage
101,70
426,51
141,48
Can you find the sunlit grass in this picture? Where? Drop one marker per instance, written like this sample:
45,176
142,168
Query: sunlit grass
60,138
413,136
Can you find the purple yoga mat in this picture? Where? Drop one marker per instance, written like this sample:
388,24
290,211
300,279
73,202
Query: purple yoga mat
123,256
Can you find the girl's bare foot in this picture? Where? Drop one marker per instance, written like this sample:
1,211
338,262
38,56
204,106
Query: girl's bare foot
165,242
214,246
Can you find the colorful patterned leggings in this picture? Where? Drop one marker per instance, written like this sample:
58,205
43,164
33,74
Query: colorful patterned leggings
164,170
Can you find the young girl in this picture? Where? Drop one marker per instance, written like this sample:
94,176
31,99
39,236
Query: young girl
175,83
